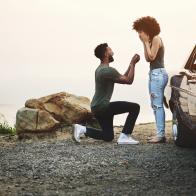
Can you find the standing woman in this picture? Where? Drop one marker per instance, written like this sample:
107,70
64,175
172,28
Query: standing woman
148,30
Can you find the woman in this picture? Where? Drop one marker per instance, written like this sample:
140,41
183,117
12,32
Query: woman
148,30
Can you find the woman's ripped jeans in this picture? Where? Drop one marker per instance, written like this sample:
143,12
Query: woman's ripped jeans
158,79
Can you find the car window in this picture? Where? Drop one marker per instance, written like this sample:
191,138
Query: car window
193,67
190,64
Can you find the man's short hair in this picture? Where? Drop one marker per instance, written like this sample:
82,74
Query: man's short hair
100,51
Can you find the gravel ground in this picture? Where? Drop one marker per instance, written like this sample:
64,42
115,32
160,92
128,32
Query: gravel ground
61,167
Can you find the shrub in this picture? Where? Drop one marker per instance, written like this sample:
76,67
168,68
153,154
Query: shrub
6,129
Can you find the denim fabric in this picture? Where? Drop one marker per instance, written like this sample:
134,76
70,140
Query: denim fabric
158,79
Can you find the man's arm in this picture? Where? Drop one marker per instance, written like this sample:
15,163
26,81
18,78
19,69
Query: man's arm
128,77
128,69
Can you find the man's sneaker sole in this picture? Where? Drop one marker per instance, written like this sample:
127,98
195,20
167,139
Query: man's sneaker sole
74,134
127,143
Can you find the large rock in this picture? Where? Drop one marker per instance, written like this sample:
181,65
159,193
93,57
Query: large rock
47,112
28,119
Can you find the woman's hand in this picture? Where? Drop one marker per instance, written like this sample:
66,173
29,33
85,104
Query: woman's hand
152,50
144,37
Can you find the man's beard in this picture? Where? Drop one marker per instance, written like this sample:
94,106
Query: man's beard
111,59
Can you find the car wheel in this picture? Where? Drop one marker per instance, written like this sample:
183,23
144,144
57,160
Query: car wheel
182,135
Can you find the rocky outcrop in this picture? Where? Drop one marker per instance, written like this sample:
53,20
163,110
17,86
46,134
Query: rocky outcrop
46,113
28,119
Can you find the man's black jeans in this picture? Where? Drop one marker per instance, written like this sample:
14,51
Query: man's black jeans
105,120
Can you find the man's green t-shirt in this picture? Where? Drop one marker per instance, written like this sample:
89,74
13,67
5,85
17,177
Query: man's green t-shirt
105,78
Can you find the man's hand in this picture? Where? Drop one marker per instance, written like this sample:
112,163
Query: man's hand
135,59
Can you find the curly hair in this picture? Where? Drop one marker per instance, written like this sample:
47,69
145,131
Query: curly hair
100,50
147,24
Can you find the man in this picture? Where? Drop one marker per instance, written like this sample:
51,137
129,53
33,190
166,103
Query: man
102,108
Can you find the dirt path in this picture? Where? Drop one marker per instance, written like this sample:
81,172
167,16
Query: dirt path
60,167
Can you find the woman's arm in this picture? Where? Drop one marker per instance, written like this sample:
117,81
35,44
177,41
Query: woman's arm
151,52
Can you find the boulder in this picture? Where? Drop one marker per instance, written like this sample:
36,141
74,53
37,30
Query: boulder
46,113
64,107
28,119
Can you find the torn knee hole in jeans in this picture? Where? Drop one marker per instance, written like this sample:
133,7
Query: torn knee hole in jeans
153,95
155,107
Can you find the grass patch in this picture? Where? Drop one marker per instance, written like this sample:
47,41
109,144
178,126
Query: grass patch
6,129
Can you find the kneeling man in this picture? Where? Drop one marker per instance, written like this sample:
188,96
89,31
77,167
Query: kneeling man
102,108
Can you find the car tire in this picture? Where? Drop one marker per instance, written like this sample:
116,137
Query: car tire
182,135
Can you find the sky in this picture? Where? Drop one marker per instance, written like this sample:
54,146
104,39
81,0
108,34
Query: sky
46,46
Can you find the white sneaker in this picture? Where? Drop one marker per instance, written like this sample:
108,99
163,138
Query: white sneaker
78,131
124,139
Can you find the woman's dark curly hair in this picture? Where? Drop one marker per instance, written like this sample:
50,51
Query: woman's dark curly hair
147,24
100,50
